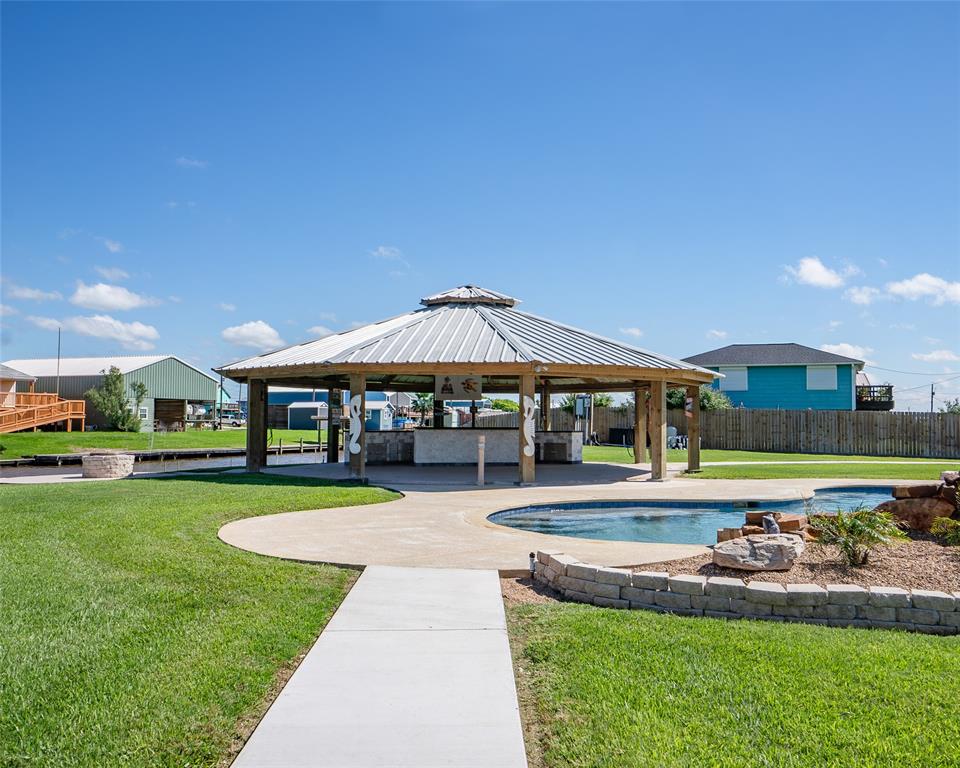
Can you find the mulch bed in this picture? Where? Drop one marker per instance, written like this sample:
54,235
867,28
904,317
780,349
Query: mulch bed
920,563
517,591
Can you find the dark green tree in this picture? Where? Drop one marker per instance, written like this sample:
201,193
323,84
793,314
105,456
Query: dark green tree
110,398
422,404
503,404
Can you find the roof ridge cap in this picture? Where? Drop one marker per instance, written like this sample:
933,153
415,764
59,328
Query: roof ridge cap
506,335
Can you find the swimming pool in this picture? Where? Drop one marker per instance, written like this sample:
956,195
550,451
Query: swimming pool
671,522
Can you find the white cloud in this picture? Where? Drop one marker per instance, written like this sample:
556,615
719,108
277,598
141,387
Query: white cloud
320,330
174,299
925,285
713,333
6,310
109,297
226,306
811,271
632,331
113,274
31,294
393,254
848,350
113,246
903,326
191,162
256,334
834,324
133,336
330,317
863,294
937,356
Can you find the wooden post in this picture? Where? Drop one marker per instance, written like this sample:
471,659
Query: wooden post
334,410
658,430
545,415
358,460
639,426
437,414
693,431
256,425
527,430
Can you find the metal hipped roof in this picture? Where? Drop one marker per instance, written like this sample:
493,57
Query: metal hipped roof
451,329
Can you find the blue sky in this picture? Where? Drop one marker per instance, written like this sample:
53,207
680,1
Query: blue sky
212,179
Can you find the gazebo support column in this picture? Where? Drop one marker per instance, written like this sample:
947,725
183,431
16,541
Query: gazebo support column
658,430
693,430
334,409
256,425
357,445
546,416
527,429
639,426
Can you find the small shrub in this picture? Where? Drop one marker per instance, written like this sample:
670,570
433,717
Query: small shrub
856,532
948,529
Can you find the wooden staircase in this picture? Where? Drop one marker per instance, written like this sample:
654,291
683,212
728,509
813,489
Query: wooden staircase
31,410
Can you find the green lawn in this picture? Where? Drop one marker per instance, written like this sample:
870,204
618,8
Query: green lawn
865,470
130,635
30,443
632,688
620,455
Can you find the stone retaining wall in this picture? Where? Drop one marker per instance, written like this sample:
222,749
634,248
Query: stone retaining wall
838,605
107,465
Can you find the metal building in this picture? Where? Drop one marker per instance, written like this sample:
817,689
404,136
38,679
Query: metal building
179,396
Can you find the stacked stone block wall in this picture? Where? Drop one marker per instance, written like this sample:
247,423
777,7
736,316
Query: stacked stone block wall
838,605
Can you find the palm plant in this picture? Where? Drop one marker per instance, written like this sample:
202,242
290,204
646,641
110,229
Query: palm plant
856,532
423,402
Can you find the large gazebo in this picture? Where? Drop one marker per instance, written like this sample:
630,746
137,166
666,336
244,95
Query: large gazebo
473,334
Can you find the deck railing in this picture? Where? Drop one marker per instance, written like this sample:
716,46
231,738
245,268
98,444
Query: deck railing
875,397
35,409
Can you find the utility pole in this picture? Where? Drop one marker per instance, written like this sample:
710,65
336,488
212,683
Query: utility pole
58,361
932,393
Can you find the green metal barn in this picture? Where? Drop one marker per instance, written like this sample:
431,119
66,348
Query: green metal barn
179,396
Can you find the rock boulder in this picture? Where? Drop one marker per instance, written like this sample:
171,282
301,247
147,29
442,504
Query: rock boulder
917,514
759,552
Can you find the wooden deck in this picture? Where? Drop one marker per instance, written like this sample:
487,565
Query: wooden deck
37,409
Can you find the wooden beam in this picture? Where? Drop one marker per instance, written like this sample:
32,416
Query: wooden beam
256,425
693,431
357,446
658,430
639,426
527,430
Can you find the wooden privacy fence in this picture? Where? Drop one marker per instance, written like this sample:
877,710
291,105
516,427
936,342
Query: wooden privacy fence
858,433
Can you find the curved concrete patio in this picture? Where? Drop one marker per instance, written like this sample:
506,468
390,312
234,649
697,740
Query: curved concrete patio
442,522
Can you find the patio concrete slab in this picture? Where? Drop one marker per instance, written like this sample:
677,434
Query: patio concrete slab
414,669
439,523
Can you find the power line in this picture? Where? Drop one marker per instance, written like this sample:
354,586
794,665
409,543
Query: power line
924,386
908,373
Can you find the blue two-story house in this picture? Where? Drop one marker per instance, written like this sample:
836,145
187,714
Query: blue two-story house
790,377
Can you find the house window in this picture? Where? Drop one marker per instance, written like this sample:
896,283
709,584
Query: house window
735,379
822,377
143,412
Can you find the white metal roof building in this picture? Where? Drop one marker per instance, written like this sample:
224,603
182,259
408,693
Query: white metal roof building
467,331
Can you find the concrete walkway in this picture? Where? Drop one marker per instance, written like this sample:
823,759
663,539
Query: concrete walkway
414,669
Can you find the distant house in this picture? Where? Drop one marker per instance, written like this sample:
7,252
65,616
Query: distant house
379,415
791,377
178,395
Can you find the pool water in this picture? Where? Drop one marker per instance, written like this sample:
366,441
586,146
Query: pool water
672,522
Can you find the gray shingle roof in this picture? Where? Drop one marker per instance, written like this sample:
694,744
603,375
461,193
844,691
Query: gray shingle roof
478,327
12,374
769,354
